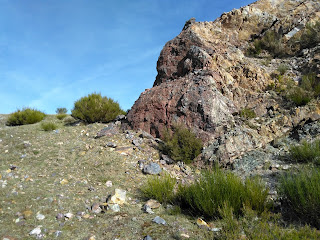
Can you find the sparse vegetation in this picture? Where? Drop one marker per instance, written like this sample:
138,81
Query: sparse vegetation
299,96
300,194
160,188
182,144
48,126
283,68
216,189
61,111
25,116
306,152
61,116
247,113
95,108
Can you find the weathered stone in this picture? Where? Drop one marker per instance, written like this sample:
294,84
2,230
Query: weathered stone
111,144
146,208
159,220
114,207
147,238
119,197
124,150
152,168
153,203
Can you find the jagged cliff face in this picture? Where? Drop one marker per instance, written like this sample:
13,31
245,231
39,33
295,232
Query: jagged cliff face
204,80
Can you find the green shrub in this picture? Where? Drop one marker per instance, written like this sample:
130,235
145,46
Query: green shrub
159,188
61,111
299,96
247,113
182,144
310,36
25,116
48,126
217,189
95,108
300,194
61,116
306,152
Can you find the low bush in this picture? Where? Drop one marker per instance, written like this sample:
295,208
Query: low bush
159,188
217,189
181,145
247,113
95,108
61,116
306,152
48,126
25,116
300,194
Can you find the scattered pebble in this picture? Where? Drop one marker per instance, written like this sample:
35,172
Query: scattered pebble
64,181
109,184
36,231
147,209
40,216
68,215
147,238
202,224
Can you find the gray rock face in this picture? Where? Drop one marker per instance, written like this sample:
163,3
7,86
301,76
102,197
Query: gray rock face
152,168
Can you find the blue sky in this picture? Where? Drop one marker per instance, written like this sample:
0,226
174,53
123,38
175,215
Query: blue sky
53,52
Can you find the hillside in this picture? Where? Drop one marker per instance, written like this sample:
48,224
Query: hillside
247,84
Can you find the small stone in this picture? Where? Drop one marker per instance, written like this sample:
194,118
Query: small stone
95,208
136,142
60,216
57,233
141,163
119,197
184,235
109,184
147,238
134,219
36,231
153,203
202,224
13,167
40,216
111,144
215,229
285,167
26,214
167,159
147,209
86,216
68,215
159,220
152,168
114,207
64,181
91,189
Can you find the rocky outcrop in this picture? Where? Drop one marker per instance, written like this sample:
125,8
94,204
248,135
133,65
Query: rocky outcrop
204,80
